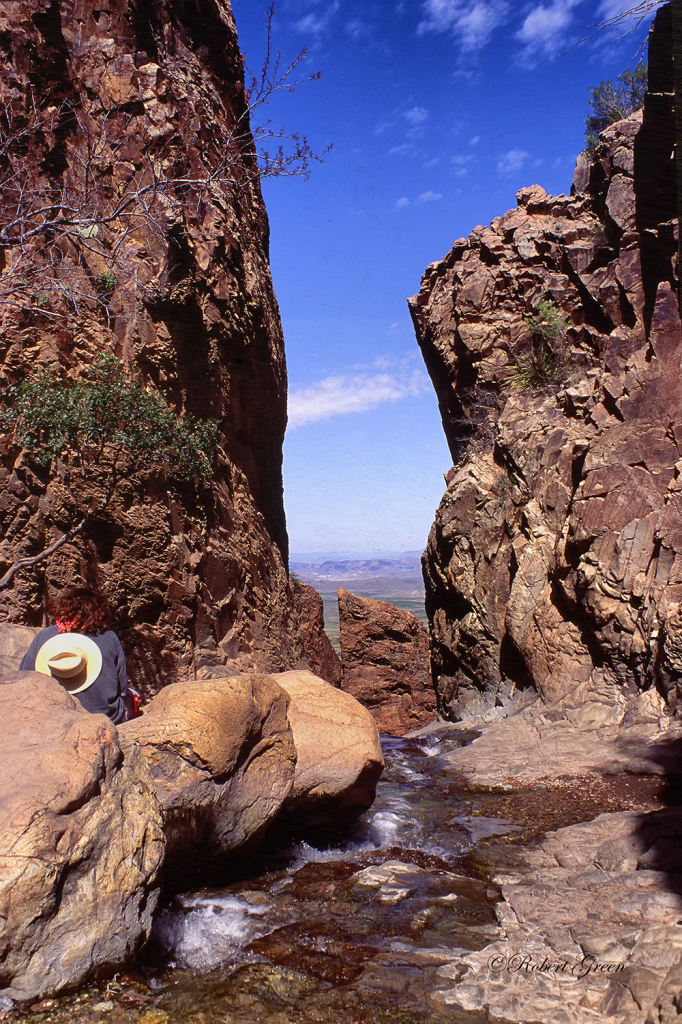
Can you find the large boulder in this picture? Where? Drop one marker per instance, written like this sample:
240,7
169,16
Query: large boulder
220,756
385,654
339,759
81,842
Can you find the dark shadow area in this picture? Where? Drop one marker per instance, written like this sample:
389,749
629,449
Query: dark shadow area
660,832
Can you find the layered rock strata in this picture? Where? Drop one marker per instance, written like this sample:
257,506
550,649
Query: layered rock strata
385,655
558,956
124,96
555,560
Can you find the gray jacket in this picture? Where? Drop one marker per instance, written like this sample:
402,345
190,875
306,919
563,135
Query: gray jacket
107,694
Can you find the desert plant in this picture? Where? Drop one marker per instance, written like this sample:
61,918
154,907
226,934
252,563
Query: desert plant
101,427
544,364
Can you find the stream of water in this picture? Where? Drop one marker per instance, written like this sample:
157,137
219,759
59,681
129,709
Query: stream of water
345,928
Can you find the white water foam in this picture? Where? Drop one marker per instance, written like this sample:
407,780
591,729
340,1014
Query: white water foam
203,933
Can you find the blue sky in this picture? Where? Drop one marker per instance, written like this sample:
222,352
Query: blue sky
438,112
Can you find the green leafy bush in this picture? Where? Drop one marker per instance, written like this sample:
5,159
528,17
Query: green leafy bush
101,413
609,102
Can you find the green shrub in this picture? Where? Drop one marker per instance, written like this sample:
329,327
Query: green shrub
610,102
105,286
103,411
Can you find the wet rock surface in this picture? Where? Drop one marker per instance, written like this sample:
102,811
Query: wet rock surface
81,847
387,922
385,655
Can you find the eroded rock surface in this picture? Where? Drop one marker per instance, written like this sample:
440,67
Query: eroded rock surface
385,655
196,573
220,757
590,928
555,560
318,652
338,753
81,842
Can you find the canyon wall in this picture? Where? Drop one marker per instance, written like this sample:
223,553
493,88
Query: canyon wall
117,97
555,560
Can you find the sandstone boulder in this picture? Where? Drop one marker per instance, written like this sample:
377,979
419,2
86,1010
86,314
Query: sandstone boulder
339,759
220,757
81,842
14,642
385,654
318,652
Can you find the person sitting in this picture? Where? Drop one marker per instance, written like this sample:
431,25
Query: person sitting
83,654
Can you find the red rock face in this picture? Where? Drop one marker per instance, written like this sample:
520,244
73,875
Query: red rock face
556,556
385,655
318,653
197,573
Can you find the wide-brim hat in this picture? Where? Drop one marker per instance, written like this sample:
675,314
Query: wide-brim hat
73,659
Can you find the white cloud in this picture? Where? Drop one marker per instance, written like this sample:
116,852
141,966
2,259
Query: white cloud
342,395
402,150
402,203
317,23
544,30
357,29
460,161
429,196
474,140
512,161
416,115
472,22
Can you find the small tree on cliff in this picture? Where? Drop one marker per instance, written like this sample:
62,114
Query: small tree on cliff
609,102
96,431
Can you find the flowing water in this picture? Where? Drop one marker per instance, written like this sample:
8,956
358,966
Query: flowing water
347,927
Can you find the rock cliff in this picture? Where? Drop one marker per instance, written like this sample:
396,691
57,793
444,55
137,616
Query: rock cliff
117,97
555,560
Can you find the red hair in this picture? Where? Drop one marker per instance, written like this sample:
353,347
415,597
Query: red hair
84,609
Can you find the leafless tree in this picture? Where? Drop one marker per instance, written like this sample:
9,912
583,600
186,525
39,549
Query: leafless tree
69,241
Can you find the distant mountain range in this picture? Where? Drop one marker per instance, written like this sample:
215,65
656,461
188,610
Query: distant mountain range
406,565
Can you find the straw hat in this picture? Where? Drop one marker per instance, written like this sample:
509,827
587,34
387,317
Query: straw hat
75,660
